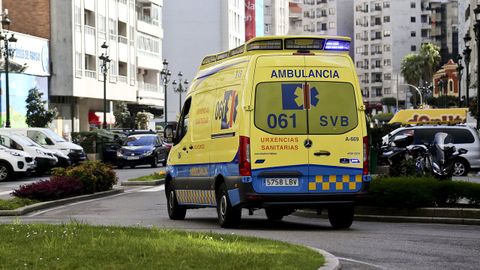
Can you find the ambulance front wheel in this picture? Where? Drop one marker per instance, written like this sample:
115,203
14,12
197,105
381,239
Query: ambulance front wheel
228,216
175,211
341,217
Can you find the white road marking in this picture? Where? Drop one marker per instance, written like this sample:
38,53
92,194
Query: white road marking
5,192
360,262
154,189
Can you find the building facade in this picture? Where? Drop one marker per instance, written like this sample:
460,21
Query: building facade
194,29
133,32
385,32
276,16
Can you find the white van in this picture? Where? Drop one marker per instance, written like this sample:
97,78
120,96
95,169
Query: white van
14,162
51,140
44,157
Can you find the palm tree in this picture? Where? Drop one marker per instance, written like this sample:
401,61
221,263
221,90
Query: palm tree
430,53
411,67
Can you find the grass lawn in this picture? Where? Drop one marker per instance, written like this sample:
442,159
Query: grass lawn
80,246
151,177
15,203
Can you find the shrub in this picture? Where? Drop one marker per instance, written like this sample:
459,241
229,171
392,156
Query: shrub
94,175
57,187
408,191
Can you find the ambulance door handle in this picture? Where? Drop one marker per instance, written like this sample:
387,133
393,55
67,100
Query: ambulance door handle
322,153
184,148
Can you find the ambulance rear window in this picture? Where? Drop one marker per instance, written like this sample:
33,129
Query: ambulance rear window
300,108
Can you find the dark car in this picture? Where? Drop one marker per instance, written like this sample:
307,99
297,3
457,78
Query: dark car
140,149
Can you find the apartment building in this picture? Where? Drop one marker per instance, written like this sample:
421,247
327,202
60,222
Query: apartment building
132,31
194,29
385,31
276,16
440,25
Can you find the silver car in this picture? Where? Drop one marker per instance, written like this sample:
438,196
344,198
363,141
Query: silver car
463,137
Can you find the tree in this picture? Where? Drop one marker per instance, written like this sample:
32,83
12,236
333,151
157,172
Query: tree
142,119
37,113
389,101
421,66
122,115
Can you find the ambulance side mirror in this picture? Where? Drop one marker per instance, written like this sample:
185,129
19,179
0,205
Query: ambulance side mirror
169,134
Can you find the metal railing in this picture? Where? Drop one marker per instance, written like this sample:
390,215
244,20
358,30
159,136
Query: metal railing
148,86
122,40
91,74
89,30
147,19
122,79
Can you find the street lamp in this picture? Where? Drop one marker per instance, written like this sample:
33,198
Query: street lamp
477,39
441,86
466,55
418,90
7,53
105,61
459,76
165,76
182,87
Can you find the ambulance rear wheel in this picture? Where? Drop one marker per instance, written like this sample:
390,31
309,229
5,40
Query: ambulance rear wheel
341,217
228,216
274,214
175,211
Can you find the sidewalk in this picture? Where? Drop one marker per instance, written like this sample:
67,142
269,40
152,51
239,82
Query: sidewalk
466,216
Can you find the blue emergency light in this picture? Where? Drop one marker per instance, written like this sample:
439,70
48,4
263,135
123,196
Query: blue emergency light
337,45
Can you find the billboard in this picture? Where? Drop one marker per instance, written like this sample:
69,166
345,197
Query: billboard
250,26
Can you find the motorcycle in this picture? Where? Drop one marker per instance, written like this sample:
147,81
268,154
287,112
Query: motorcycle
396,154
437,158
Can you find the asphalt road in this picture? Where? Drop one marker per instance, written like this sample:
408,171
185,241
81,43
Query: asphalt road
367,245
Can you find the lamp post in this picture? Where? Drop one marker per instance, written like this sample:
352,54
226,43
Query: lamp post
182,87
477,39
459,76
7,53
165,76
105,61
441,86
466,54
418,90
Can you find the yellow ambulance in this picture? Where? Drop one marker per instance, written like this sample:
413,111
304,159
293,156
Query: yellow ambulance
277,123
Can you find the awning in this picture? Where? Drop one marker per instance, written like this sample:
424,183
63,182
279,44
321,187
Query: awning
96,118
430,116
13,66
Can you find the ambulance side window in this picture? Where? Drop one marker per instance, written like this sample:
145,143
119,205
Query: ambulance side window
183,122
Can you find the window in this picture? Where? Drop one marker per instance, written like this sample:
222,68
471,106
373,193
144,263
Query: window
386,4
331,11
183,123
424,33
386,48
387,77
413,34
280,108
412,19
331,25
460,135
386,19
387,62
413,48
387,91
386,33
412,5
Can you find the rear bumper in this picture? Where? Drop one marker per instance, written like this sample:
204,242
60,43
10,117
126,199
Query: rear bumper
248,198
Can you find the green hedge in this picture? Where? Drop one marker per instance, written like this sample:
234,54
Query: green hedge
95,176
421,192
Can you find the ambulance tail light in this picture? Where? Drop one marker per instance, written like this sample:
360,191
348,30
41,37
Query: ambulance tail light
244,157
365,155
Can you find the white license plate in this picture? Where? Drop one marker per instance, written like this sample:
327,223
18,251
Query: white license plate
133,158
281,182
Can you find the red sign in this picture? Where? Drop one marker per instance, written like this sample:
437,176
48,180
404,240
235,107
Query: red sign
250,20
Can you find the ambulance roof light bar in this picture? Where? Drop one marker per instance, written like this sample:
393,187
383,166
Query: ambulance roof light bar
337,45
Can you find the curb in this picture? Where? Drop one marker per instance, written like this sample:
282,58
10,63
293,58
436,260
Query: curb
43,205
466,216
331,262
143,183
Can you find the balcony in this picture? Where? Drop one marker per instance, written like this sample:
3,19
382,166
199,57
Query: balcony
91,74
122,79
149,87
147,19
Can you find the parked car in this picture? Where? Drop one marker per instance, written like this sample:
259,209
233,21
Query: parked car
44,158
63,160
142,149
51,140
14,162
463,137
